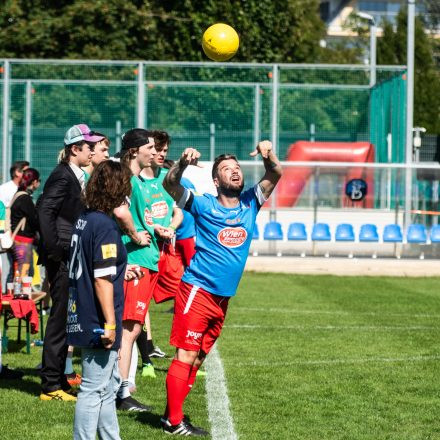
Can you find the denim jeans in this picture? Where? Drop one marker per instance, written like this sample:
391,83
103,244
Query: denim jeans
95,410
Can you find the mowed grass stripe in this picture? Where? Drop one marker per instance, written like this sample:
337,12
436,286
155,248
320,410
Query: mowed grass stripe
363,365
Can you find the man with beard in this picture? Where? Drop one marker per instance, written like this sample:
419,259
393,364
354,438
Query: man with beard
224,226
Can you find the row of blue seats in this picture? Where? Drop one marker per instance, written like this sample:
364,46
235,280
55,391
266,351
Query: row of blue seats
344,232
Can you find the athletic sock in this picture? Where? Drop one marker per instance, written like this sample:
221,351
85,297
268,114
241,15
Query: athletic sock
177,389
124,391
142,343
69,365
150,345
191,379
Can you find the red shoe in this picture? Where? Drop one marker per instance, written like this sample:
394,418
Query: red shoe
74,379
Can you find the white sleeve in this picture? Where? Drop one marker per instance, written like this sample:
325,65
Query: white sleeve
185,196
259,194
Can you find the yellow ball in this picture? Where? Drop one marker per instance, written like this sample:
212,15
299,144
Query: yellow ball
220,42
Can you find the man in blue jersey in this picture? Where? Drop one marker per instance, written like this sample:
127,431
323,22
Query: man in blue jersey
224,228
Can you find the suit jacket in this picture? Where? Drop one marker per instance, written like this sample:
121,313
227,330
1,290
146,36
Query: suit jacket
58,207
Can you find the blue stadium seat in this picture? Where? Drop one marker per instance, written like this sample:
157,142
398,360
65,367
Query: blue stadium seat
256,233
297,231
273,231
392,234
368,232
435,234
416,234
321,232
344,232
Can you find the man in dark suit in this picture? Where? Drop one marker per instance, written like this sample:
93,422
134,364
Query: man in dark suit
58,209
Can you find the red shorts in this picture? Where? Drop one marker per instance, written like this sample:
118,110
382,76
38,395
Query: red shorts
185,250
137,296
170,273
198,318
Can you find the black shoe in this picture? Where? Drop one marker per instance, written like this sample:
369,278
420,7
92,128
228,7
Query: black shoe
130,404
183,428
157,353
7,373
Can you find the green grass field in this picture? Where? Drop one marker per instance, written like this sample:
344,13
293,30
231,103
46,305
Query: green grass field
305,357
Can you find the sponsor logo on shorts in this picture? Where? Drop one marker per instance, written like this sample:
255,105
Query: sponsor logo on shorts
160,209
140,305
192,334
232,237
148,217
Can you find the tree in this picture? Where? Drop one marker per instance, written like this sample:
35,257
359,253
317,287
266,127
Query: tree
392,50
270,30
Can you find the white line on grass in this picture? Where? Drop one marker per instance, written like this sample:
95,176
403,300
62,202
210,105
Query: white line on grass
222,425
334,327
339,361
331,312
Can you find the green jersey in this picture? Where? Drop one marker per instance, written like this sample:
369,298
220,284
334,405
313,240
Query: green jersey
141,209
162,202
2,217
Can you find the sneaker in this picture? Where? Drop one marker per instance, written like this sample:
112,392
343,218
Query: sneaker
58,395
74,379
183,428
148,371
130,404
157,353
8,373
201,373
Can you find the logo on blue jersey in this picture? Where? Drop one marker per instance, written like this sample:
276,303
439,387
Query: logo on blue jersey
232,237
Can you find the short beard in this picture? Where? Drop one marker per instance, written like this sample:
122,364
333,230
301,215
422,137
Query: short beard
227,191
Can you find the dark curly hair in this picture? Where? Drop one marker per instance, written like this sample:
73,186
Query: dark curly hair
108,187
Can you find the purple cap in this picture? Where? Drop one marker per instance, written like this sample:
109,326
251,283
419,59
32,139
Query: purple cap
80,132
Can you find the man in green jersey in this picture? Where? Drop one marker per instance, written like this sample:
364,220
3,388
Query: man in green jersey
138,151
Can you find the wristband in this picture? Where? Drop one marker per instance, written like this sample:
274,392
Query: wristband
109,326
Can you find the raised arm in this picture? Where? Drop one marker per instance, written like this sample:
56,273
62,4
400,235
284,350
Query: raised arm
272,166
171,182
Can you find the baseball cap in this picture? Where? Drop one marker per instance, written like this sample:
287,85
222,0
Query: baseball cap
81,132
135,138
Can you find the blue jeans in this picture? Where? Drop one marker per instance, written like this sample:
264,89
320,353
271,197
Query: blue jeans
95,410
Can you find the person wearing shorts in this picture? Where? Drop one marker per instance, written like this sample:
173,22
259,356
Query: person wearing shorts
137,152
224,229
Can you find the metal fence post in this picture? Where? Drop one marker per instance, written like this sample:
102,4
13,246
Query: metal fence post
409,110
141,97
5,120
257,111
118,133
212,142
28,126
274,129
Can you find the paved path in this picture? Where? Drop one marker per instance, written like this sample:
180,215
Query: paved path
345,266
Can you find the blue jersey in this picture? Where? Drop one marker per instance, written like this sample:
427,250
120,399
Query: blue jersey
222,240
96,251
187,228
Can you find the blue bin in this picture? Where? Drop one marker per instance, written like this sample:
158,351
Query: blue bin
344,232
273,231
297,231
321,232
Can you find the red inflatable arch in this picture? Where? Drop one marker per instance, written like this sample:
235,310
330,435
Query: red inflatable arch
295,179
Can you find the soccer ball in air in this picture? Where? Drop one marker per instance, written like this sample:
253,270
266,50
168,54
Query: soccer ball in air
220,42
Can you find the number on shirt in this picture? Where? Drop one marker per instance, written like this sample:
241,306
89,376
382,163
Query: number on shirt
75,268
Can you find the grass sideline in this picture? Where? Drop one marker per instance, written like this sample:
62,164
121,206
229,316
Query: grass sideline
305,357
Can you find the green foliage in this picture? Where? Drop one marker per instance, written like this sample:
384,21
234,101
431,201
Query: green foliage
270,30
391,49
